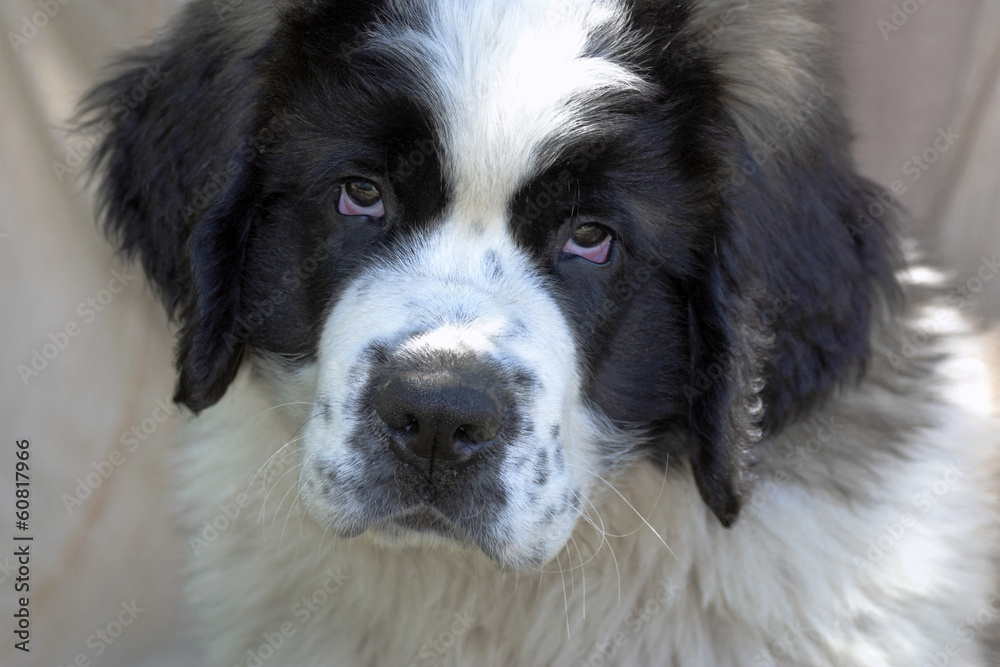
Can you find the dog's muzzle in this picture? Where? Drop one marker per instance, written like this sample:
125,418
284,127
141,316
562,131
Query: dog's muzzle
456,411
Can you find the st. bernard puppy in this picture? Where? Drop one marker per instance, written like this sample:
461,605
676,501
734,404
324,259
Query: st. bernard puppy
547,332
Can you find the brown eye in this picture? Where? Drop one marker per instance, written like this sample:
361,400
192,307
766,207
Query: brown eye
363,193
591,242
590,235
361,198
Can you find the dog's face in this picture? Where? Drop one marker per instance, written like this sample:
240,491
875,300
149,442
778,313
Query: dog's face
504,249
497,207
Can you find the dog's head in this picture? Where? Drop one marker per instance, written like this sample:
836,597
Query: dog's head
504,248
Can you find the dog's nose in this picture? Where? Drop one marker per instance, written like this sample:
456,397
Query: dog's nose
441,415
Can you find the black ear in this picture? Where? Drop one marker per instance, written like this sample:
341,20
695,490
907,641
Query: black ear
797,260
727,356
797,276
175,129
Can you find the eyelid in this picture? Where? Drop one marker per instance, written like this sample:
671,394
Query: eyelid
347,206
597,254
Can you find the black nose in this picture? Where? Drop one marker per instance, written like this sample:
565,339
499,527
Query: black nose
440,415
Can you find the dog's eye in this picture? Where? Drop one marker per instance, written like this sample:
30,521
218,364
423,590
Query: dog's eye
360,198
590,241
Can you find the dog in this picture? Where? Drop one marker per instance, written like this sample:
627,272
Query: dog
547,332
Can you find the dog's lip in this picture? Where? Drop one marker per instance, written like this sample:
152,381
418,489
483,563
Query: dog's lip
400,526
424,518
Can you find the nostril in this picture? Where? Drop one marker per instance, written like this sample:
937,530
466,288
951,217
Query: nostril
413,426
471,435
487,427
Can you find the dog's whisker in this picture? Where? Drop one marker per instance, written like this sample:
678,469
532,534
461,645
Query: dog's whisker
295,504
267,463
249,422
603,534
275,508
293,488
584,513
630,505
541,573
298,466
326,530
583,576
294,439
270,487
277,511
572,569
602,542
562,577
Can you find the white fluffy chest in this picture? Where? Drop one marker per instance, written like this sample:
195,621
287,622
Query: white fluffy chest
647,573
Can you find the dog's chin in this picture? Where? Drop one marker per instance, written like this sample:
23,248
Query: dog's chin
427,529
423,528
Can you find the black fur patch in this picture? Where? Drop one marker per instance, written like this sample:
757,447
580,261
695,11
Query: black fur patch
729,305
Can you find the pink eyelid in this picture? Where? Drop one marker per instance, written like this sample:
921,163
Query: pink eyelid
347,206
598,254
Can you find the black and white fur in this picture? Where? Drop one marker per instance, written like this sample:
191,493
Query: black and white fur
698,440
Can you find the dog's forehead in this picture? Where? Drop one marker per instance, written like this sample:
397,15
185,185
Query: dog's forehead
509,82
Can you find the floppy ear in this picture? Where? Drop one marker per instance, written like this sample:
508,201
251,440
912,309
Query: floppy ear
801,258
784,312
727,353
175,133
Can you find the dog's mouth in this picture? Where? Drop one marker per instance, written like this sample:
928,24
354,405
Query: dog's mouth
420,521
401,501
515,502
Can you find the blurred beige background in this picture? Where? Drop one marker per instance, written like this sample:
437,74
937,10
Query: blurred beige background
99,435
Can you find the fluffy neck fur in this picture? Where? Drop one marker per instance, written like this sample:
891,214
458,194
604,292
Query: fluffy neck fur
649,572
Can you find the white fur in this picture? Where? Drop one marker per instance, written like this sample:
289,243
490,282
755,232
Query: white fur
643,573
441,295
785,586
497,106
